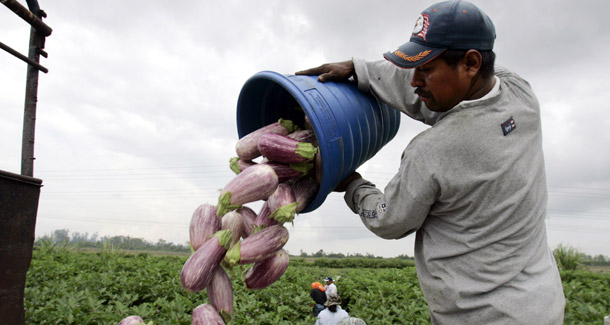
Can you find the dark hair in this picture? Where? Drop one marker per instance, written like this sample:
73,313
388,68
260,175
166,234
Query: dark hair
333,308
488,58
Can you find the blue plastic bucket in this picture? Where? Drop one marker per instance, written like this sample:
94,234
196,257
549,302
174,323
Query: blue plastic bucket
351,126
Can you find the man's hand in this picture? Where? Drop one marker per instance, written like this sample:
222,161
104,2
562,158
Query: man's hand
345,183
339,71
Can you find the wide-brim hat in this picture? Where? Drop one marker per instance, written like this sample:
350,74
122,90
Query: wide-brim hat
456,24
332,300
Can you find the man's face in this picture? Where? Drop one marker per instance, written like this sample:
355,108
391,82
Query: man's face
441,86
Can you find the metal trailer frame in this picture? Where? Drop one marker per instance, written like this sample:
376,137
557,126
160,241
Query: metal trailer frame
19,193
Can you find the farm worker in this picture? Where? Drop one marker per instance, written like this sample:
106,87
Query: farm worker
333,312
318,296
472,186
330,288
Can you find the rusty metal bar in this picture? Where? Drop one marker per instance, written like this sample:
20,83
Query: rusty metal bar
28,16
23,57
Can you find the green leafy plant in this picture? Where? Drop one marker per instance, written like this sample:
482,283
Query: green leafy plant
568,258
75,287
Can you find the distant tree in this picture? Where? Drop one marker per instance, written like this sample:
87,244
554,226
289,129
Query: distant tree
61,236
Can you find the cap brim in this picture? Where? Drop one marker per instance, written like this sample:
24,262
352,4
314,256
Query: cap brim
412,55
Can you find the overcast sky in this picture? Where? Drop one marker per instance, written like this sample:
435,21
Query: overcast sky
136,117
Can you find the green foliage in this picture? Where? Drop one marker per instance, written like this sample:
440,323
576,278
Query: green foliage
587,296
363,263
70,287
568,258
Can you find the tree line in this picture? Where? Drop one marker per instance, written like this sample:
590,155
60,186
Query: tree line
566,256
84,240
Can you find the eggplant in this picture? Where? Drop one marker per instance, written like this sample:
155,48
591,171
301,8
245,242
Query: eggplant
199,267
206,314
247,147
283,149
238,165
220,293
204,223
305,189
132,320
258,246
254,183
263,219
289,171
248,216
263,273
234,221
282,204
304,136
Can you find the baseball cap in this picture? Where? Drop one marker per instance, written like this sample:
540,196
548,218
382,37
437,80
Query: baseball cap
457,25
328,279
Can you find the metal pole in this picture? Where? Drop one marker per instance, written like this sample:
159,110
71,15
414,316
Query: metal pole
23,57
32,18
31,97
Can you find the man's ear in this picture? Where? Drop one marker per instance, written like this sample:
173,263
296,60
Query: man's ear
472,61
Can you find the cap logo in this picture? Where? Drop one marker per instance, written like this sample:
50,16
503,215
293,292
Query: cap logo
413,58
421,26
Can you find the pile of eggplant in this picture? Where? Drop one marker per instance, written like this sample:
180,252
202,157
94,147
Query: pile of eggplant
230,233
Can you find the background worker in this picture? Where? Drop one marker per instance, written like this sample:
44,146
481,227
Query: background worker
330,288
318,296
333,312
472,186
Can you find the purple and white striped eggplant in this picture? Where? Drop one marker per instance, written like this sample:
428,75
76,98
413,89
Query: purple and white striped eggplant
206,314
234,221
254,183
282,204
305,136
263,273
248,217
262,219
238,165
258,246
199,267
247,147
289,171
280,148
220,293
204,223
305,189
132,320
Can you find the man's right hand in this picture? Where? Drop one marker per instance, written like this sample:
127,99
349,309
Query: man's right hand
338,71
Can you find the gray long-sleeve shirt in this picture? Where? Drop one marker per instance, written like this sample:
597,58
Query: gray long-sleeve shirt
473,187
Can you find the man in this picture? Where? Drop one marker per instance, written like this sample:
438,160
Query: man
333,312
473,185
330,288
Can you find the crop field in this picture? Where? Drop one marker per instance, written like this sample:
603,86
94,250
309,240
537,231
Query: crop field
66,286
